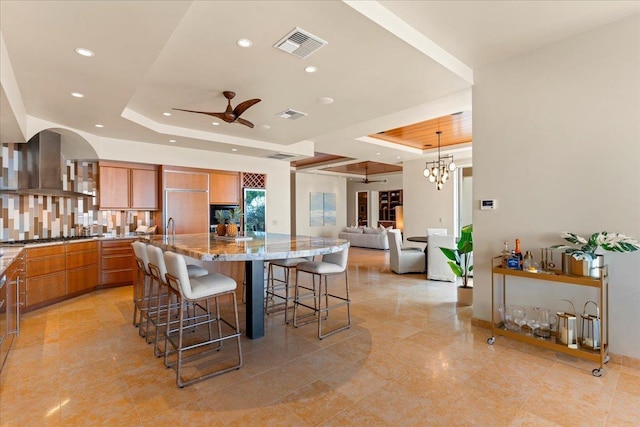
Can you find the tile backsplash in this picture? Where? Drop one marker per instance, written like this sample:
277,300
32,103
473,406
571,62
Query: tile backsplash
36,217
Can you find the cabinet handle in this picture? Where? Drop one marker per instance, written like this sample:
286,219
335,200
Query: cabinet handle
2,303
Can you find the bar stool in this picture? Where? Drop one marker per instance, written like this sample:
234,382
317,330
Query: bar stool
331,265
198,291
141,286
159,293
275,286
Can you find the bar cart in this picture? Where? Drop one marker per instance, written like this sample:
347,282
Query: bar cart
553,342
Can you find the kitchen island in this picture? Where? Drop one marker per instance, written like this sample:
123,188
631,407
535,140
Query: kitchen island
261,247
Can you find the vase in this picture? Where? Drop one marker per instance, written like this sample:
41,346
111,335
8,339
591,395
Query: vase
585,267
465,296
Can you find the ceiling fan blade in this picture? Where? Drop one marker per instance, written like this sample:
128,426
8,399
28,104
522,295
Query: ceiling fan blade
243,106
244,122
218,115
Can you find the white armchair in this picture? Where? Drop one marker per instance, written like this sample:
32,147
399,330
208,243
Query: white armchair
438,268
404,260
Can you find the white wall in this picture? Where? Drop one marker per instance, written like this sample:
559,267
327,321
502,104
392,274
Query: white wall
556,140
310,183
425,206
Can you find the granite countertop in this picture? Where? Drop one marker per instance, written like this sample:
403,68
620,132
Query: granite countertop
262,246
7,255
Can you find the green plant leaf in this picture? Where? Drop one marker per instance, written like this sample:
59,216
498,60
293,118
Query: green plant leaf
449,253
457,270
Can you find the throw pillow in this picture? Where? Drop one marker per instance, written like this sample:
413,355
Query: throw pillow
353,230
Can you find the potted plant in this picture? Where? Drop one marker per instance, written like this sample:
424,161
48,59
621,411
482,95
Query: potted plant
587,259
221,217
460,263
233,220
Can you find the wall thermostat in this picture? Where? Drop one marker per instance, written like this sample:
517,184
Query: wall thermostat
488,204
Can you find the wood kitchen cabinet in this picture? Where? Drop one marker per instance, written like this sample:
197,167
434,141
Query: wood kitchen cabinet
185,199
224,188
82,267
46,275
117,263
125,186
11,292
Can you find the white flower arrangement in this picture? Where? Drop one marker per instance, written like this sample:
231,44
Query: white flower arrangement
612,242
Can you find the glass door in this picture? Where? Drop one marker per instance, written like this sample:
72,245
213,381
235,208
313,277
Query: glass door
255,201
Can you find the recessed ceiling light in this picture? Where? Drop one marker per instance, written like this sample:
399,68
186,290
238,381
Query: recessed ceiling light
215,123
99,126
244,43
265,127
84,52
311,69
377,154
234,149
398,157
166,114
172,140
77,94
324,100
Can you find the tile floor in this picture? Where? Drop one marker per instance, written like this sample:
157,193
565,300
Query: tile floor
411,358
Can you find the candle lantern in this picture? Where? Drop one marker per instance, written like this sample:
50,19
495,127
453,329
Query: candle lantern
567,328
591,328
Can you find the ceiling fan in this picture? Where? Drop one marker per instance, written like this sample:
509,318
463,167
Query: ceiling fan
231,115
366,179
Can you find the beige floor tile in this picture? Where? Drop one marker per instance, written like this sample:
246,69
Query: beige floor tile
273,415
625,409
316,402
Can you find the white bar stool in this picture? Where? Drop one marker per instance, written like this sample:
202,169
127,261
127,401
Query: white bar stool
159,294
141,286
331,265
198,291
276,286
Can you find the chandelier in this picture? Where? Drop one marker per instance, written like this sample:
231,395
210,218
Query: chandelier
438,170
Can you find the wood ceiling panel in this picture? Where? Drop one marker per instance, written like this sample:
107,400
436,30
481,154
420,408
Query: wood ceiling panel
317,158
456,129
362,168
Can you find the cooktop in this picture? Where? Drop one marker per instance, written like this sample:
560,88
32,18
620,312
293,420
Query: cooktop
46,240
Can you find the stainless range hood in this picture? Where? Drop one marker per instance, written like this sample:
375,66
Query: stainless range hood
40,171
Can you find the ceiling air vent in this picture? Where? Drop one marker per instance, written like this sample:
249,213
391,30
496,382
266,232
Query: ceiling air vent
280,156
300,43
291,114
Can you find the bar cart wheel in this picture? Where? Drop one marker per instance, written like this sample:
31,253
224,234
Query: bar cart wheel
491,340
606,359
597,372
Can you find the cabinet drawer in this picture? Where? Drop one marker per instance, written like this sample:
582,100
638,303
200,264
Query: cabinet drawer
112,277
82,259
82,246
117,262
82,279
45,251
45,288
116,245
45,265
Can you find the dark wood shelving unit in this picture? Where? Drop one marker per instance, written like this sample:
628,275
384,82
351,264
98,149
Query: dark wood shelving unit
387,202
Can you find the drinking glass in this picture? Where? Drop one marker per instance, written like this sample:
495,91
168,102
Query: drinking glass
532,320
519,317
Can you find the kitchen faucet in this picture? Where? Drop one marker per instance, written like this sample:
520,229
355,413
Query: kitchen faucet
171,223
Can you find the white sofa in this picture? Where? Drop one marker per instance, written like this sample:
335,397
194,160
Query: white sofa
365,237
